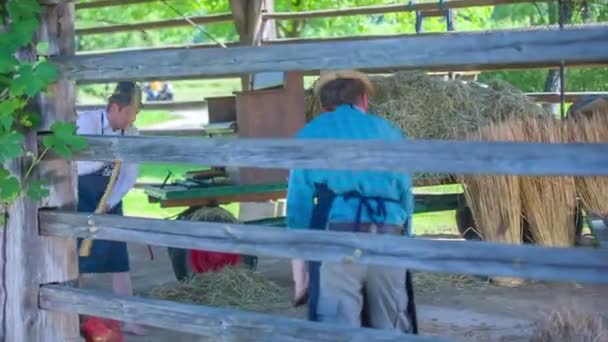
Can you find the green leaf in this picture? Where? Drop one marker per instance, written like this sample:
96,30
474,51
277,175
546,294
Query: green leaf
23,9
21,33
37,191
8,107
7,62
10,146
9,186
6,123
46,72
42,48
64,139
30,81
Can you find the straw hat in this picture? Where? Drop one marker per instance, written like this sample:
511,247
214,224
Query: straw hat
328,76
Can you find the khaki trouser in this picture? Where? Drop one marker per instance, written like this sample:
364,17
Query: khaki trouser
341,295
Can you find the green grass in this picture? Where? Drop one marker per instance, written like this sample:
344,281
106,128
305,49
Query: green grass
147,118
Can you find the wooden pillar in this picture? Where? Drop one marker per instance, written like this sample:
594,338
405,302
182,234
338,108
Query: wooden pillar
247,16
28,259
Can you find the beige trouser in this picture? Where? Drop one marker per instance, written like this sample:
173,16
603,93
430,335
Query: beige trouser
341,295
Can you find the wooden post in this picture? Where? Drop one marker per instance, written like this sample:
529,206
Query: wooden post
28,259
247,16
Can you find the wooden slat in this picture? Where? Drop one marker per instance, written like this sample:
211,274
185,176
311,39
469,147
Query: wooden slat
463,257
199,20
217,323
108,3
156,105
438,156
173,132
556,97
452,51
427,6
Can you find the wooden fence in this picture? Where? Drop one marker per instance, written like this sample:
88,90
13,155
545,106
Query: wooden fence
39,244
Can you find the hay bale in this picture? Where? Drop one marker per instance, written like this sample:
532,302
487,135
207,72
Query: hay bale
593,191
549,203
230,287
567,325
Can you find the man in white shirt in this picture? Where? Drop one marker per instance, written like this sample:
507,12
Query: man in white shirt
93,178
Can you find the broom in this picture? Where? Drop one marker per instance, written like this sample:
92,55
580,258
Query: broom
593,191
495,201
85,247
549,202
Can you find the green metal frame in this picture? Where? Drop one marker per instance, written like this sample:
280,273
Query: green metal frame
180,192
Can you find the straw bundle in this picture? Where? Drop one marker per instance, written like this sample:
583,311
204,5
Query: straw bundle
549,203
593,191
568,325
230,287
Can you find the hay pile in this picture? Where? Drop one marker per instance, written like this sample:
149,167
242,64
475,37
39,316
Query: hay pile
429,107
569,325
549,203
230,287
593,191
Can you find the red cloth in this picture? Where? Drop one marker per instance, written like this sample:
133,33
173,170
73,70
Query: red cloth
101,330
204,261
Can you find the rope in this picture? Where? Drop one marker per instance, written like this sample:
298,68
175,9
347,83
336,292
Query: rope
85,247
193,23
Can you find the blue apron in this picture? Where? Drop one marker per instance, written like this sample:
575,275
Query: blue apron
106,256
323,200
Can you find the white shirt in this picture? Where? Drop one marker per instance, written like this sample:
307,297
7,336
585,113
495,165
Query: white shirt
90,123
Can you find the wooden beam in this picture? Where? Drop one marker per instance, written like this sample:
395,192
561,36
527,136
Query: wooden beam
437,156
200,20
427,6
108,3
570,96
459,257
455,51
156,105
173,132
213,322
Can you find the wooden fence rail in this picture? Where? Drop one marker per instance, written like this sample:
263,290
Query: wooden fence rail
149,25
440,156
156,105
462,257
217,323
585,44
412,7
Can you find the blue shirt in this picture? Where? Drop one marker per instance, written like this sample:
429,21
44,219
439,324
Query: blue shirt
349,123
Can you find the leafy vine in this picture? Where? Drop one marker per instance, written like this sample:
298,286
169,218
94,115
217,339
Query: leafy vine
21,81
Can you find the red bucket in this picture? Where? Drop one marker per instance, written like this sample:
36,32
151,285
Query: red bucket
204,261
96,329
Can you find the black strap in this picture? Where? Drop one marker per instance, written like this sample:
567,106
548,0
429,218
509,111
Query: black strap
365,202
411,303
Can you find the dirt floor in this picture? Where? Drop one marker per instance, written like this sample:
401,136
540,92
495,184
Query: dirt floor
455,307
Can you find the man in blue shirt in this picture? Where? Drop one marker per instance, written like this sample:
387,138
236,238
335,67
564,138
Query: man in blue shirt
351,201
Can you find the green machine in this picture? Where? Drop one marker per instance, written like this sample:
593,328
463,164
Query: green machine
213,188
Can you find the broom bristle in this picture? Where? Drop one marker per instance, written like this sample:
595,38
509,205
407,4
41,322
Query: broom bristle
593,191
567,324
549,202
496,212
